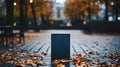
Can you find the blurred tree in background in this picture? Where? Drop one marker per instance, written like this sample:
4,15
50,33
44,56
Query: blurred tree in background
111,6
38,12
2,13
78,10
43,10
9,12
25,11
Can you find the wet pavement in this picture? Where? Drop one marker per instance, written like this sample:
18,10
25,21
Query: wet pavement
80,43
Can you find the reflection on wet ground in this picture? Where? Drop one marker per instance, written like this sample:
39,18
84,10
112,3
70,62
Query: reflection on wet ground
92,50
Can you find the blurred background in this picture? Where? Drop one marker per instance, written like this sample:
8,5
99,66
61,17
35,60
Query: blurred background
60,13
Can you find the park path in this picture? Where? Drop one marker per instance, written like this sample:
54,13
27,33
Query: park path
79,43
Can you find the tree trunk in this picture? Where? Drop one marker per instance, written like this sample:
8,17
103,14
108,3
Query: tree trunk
113,13
26,14
9,12
47,20
9,21
22,22
34,15
43,21
116,10
97,16
106,10
89,14
89,10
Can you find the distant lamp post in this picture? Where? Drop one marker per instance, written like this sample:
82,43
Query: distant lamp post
15,4
84,22
14,24
31,1
112,3
118,18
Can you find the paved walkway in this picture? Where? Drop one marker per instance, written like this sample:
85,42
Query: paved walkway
80,43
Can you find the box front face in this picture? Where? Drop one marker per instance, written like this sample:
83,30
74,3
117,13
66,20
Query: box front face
60,46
